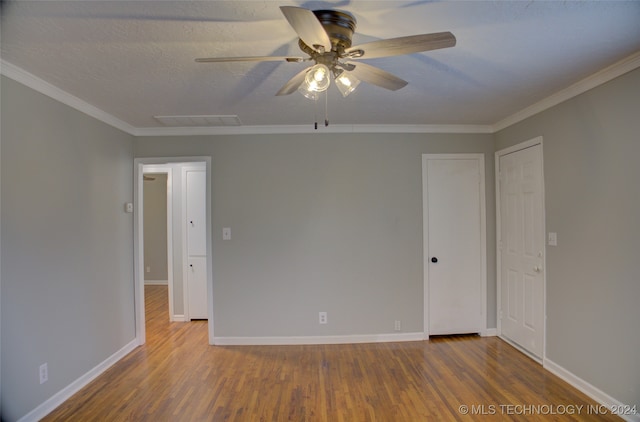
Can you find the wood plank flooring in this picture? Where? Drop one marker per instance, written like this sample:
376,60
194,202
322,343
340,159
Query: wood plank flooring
177,376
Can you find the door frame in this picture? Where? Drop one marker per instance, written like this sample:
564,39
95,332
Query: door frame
483,236
138,240
509,150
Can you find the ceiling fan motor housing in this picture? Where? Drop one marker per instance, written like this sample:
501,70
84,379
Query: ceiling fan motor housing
339,25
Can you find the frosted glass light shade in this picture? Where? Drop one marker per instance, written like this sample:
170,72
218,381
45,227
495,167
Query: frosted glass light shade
317,79
347,83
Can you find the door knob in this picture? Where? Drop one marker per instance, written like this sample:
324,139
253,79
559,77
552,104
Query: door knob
434,259
536,269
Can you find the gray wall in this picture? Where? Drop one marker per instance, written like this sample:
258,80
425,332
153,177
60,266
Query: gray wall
592,198
155,227
67,248
321,223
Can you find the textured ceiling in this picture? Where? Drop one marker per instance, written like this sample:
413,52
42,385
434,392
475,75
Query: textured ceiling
135,60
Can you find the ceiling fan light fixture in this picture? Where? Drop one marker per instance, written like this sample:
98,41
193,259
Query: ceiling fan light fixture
316,80
346,83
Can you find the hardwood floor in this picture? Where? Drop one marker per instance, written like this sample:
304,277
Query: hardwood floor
177,376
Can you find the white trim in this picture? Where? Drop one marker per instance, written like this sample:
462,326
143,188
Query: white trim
170,242
483,235
605,75
489,332
297,129
519,147
483,243
156,282
514,148
178,318
61,396
138,252
20,75
294,340
588,389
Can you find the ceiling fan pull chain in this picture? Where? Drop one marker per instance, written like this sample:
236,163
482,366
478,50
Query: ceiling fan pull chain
326,108
315,113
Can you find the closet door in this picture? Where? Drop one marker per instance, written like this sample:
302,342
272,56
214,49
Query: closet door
453,241
196,223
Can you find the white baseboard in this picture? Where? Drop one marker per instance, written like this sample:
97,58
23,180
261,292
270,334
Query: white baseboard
178,318
61,396
156,282
273,341
595,393
521,349
489,332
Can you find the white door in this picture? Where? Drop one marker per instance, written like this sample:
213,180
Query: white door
196,234
521,248
454,243
197,280
196,213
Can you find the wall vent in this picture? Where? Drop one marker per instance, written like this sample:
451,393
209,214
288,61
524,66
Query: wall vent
199,121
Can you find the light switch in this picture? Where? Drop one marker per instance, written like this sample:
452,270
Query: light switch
226,233
553,239
128,207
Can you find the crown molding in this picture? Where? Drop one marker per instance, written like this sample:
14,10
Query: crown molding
20,75
605,75
300,129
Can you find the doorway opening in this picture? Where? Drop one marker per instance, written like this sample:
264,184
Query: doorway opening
157,199
178,261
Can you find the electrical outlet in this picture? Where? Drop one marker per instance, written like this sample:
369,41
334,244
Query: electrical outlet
44,373
148,269
322,317
398,325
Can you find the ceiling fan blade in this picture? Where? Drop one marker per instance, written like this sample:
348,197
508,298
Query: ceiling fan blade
307,26
403,45
292,84
377,76
250,59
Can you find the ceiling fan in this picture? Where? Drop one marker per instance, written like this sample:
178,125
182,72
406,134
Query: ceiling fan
325,36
